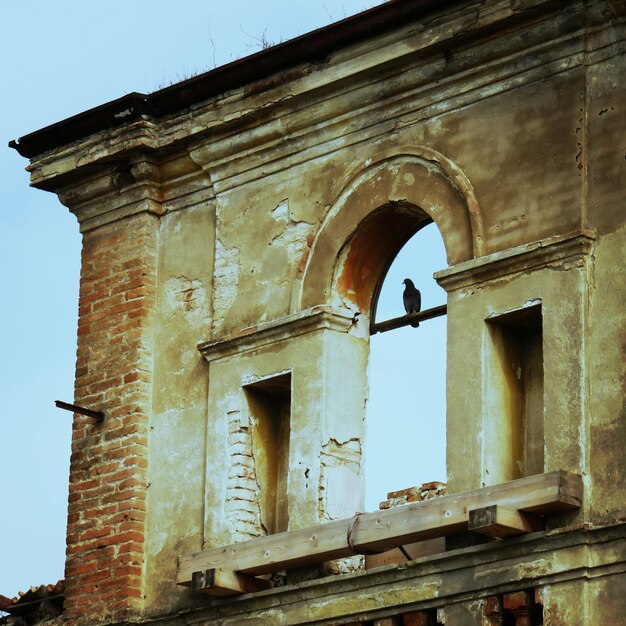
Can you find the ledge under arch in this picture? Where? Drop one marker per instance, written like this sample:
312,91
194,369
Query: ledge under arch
377,212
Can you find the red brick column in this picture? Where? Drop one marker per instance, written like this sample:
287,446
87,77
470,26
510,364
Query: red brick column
108,471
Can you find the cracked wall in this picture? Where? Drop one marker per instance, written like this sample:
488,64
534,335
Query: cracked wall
242,505
340,467
258,247
267,401
258,224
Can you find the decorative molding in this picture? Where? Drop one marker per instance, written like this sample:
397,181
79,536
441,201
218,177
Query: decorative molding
437,189
57,168
374,118
136,185
568,250
235,156
289,327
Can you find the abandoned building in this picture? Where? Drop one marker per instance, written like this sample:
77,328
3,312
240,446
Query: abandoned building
237,227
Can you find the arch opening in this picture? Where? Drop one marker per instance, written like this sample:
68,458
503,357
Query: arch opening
350,259
406,407
406,189
368,255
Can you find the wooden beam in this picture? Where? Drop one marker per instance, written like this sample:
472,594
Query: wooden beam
221,582
405,320
501,522
384,530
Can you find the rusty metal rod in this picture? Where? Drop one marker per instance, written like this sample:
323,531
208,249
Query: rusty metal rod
18,607
98,415
406,320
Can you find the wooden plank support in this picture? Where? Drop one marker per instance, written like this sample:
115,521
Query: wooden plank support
222,582
387,529
501,522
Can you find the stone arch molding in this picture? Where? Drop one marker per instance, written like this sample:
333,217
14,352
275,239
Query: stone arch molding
377,211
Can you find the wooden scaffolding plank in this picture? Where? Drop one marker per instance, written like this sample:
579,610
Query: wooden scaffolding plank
272,553
383,530
220,582
501,522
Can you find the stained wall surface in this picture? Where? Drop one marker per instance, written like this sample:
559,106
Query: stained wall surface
238,243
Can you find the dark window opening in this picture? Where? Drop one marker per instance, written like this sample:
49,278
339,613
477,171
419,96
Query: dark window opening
269,402
514,391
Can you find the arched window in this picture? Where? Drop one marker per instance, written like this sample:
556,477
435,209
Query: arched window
380,208
406,425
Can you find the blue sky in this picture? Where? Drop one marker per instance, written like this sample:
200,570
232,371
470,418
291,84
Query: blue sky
58,59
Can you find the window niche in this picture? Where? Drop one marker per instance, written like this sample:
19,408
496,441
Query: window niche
513,395
269,405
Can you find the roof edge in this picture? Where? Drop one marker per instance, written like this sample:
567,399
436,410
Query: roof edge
312,46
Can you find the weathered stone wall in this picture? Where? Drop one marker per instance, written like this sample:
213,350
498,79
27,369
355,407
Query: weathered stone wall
259,223
179,412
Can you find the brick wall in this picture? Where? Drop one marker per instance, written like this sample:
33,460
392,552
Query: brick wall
242,504
108,473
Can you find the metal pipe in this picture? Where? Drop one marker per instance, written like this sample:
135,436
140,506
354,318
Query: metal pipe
406,320
97,415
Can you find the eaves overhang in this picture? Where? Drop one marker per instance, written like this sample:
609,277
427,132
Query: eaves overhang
314,46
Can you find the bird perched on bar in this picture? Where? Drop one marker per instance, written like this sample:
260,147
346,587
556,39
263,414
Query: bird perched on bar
412,299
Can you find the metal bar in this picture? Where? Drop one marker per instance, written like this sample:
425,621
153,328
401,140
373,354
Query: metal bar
406,320
98,415
18,607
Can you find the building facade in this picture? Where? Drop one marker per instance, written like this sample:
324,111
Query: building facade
236,230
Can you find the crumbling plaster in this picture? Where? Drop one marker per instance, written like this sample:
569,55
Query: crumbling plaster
180,386
323,417
260,200
473,425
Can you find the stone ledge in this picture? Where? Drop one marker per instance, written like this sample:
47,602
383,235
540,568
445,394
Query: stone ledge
316,318
538,559
562,251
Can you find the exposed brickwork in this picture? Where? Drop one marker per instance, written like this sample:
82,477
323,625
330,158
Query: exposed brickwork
426,491
242,492
108,475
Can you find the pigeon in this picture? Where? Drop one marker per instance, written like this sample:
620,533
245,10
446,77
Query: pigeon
412,299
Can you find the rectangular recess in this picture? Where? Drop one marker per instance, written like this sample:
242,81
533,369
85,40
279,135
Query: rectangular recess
269,403
513,394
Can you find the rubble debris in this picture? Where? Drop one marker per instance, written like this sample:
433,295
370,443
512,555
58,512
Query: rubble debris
426,491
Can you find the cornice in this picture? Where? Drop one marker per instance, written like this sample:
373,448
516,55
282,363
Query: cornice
238,135
314,46
54,169
285,328
139,183
408,76
561,251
